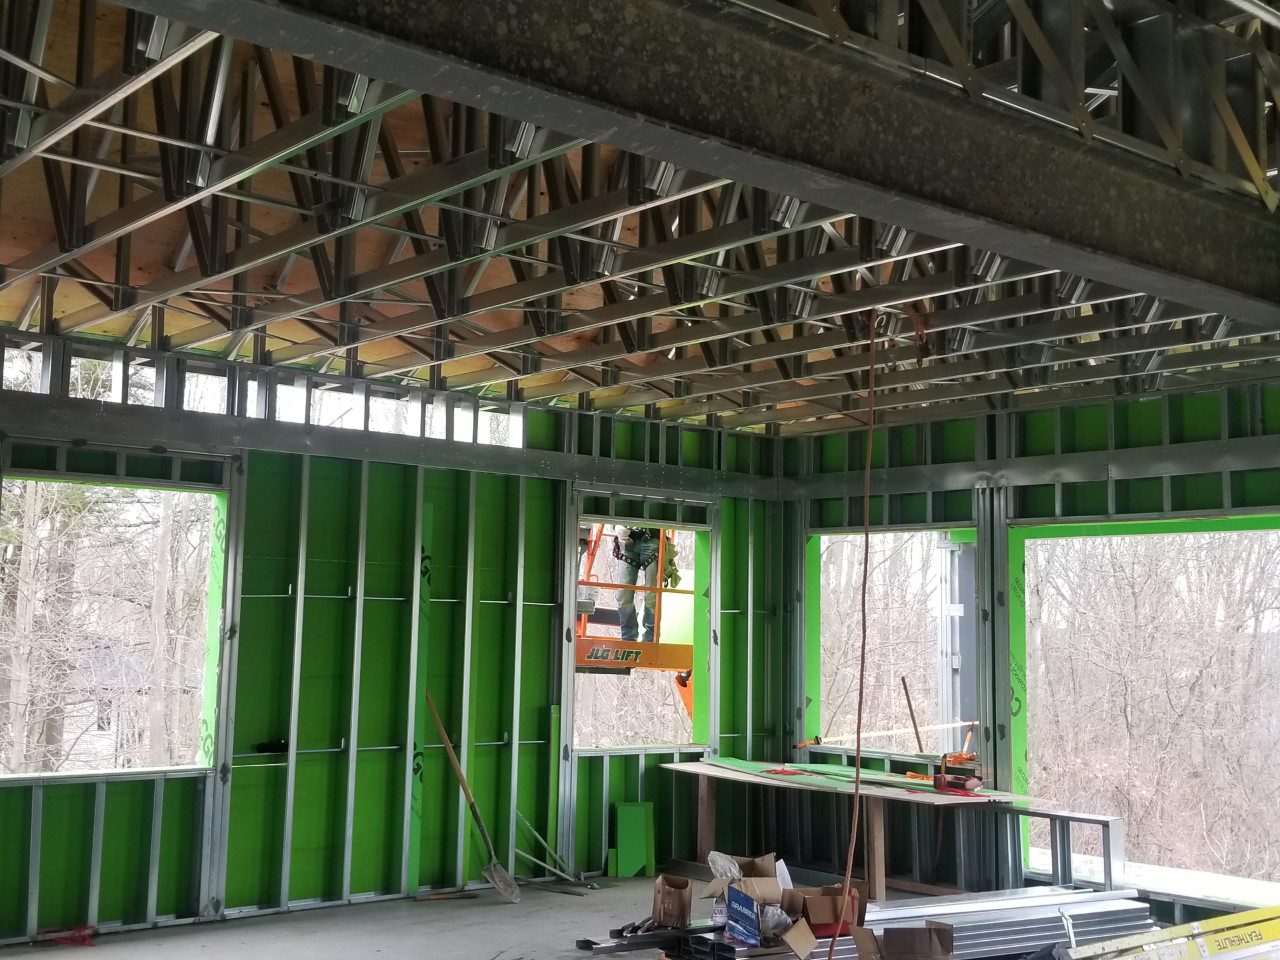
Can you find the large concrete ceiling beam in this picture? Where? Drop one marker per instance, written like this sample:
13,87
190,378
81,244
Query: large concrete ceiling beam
714,87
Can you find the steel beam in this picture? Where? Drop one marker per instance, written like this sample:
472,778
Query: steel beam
893,147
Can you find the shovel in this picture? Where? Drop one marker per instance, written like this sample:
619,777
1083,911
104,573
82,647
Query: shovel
501,880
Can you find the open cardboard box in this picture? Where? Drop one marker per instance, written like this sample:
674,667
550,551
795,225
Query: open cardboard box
759,879
817,909
820,907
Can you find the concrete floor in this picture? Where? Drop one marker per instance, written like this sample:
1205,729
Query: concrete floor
543,926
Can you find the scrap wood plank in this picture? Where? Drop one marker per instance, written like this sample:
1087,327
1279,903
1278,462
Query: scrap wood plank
724,769
890,779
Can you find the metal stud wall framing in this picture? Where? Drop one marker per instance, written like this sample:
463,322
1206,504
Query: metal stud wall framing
122,850
415,558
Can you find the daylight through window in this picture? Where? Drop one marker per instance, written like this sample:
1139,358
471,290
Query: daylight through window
109,606
637,598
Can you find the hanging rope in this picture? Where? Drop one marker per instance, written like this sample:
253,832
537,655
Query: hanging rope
862,651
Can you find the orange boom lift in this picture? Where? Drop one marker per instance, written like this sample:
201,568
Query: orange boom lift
597,653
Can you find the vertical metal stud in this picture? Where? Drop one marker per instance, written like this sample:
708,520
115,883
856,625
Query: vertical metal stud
571,508
713,648
217,800
748,733
95,853
357,646
153,856
464,732
295,681
604,811
513,775
407,883
33,862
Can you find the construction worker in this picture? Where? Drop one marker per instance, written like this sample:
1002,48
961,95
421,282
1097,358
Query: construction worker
639,556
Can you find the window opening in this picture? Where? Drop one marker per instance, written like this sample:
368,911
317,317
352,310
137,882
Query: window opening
335,406
110,602
91,379
639,624
22,369
920,595
204,392
1152,661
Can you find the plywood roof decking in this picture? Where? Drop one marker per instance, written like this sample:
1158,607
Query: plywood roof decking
606,278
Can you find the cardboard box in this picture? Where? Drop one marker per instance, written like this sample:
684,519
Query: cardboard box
905,943
820,907
746,911
672,901
763,868
917,943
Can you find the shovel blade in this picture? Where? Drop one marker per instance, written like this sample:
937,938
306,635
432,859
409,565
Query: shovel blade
502,882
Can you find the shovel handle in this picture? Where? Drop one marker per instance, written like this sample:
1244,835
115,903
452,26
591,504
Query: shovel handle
462,777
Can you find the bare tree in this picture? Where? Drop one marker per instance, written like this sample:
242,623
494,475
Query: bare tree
902,634
1153,667
104,613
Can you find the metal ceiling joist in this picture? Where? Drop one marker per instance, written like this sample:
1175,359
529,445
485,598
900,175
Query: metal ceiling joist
910,152
523,259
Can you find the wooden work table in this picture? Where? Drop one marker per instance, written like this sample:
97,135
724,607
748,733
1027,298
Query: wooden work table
873,799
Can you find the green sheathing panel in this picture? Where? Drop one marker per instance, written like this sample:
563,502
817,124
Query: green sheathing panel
1018,537
88,464
382,751
735,683
66,839
915,445
701,728
492,665
541,429
735,680
812,637
324,687
467,573
1142,423
267,605
15,830
749,672
177,879
445,520
126,843
538,721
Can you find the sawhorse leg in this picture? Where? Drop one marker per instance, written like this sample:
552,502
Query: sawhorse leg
874,851
706,817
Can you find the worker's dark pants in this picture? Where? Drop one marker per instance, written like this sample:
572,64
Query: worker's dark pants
645,550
